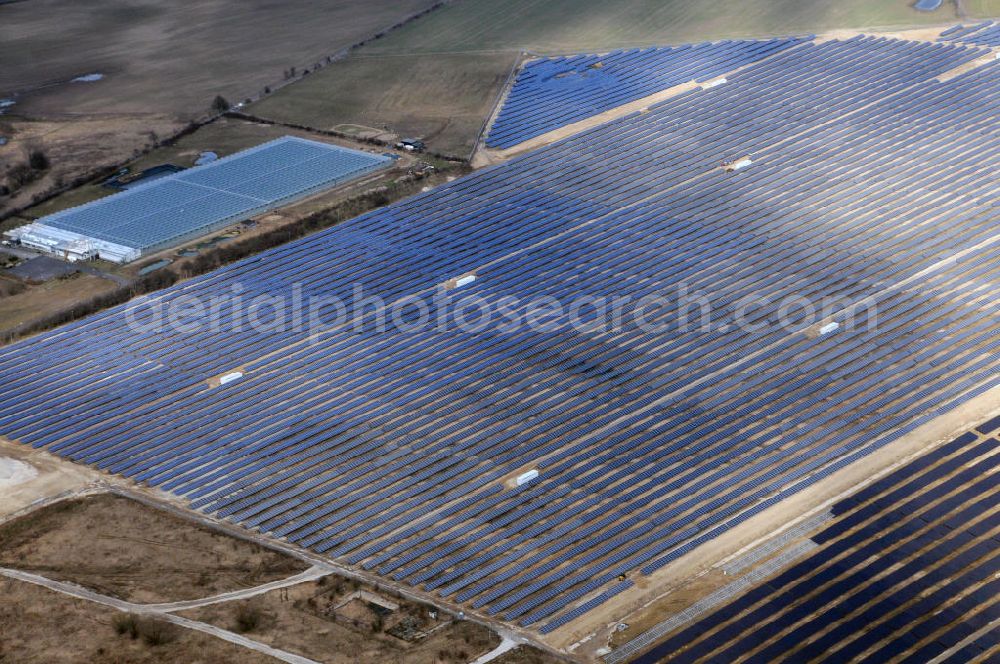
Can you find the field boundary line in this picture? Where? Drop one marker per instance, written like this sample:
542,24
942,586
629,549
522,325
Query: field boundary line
499,101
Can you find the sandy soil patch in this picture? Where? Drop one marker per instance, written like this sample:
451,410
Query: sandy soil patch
14,472
52,477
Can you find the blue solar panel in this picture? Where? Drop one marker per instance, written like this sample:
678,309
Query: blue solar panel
395,450
549,93
882,587
986,33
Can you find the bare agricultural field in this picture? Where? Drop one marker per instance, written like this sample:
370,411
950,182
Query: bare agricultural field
161,65
171,57
39,626
440,98
125,549
324,621
527,655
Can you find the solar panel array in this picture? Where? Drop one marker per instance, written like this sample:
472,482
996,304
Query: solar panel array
197,201
550,93
388,449
986,33
909,572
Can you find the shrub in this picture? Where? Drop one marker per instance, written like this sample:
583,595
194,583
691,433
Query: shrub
127,624
220,104
38,160
247,618
154,632
157,632
20,175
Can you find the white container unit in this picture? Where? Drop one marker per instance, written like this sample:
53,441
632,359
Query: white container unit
230,377
524,478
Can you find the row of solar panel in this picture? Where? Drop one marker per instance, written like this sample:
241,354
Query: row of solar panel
908,570
553,92
377,462
560,111
986,33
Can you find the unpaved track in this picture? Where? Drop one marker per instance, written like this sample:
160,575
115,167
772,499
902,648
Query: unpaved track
150,609
310,574
506,644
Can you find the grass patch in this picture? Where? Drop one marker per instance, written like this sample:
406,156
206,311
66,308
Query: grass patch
983,8
572,25
440,98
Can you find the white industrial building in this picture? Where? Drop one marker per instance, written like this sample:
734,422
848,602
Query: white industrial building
70,246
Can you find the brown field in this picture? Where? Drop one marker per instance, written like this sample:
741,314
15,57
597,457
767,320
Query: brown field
163,64
127,550
171,57
301,619
526,655
39,626
74,147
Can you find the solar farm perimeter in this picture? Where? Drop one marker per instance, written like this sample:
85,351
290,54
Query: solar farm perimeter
872,183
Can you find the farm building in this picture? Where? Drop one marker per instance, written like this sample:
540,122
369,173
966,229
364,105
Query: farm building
181,207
